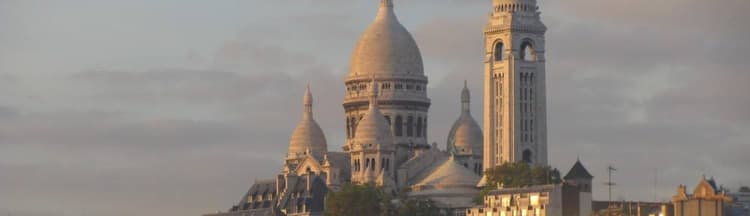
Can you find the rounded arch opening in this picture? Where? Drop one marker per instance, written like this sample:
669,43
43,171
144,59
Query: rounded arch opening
526,156
398,126
527,51
499,48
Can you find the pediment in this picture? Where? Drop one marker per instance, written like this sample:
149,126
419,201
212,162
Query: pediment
308,163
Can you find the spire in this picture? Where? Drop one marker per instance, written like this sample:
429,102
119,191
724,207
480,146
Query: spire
308,102
465,98
386,3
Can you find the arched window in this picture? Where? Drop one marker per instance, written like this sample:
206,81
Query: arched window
527,156
527,51
424,128
419,126
499,47
399,127
410,126
388,119
353,123
348,128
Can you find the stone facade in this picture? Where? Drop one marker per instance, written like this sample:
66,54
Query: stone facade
386,112
544,200
707,200
515,116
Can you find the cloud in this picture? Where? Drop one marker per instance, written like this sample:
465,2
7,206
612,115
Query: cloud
654,88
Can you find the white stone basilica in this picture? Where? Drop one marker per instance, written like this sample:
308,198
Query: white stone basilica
386,112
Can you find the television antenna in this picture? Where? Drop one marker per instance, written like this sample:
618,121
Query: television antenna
609,184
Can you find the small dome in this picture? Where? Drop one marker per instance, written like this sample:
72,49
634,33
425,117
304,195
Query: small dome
386,48
307,135
373,128
465,136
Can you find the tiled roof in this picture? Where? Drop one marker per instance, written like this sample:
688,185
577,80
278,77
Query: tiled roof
578,171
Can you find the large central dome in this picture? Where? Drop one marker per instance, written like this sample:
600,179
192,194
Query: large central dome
386,48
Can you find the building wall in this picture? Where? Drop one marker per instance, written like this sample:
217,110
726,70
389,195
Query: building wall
585,200
515,88
544,200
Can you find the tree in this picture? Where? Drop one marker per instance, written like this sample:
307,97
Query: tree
418,207
386,204
520,174
360,200
517,174
368,200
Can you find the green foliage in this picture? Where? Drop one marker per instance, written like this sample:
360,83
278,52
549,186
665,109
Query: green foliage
517,174
386,204
418,207
368,200
479,198
521,175
360,200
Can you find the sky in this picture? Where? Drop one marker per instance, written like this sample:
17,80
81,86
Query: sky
176,107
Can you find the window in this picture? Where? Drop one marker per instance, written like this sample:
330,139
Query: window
527,51
531,94
399,126
388,119
527,156
353,126
499,47
410,126
385,86
419,127
424,128
348,128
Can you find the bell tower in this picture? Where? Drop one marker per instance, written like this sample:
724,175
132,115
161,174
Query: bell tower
515,111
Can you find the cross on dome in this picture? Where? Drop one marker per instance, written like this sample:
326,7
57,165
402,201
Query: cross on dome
308,102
